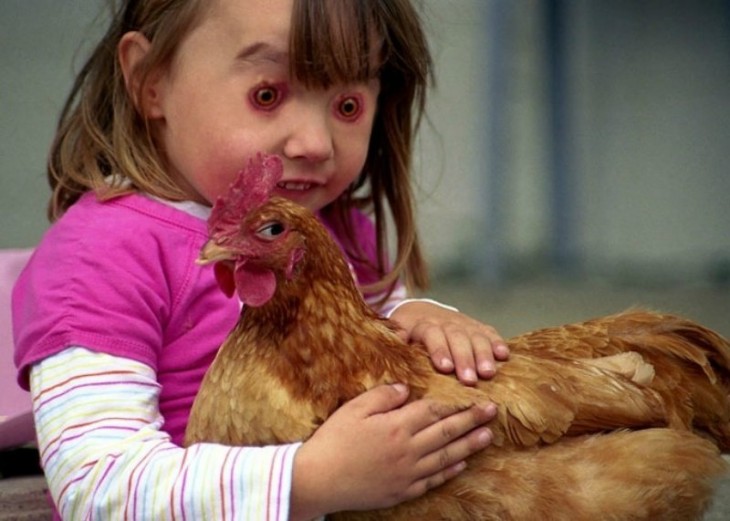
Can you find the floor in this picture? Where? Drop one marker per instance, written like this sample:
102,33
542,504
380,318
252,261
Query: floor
24,499
523,306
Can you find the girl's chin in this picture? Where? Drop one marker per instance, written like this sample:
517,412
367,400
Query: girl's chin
307,198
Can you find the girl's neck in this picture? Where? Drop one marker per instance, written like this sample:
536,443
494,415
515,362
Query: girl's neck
193,208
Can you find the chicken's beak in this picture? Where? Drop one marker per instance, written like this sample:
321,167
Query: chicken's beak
213,252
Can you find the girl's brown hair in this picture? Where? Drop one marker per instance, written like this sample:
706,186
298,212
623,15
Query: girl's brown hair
100,132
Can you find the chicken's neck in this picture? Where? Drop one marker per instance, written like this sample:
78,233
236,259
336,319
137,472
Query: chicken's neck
331,345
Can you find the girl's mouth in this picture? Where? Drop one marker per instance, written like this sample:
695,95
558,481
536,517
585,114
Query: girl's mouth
294,186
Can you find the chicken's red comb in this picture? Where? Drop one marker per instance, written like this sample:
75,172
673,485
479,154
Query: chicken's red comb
251,189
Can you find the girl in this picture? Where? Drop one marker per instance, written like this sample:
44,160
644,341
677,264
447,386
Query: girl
115,324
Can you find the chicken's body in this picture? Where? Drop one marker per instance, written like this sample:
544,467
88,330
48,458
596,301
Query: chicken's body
565,445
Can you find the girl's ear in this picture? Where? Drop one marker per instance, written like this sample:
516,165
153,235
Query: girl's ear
132,49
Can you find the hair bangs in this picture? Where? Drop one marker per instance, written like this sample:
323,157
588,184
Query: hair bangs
334,41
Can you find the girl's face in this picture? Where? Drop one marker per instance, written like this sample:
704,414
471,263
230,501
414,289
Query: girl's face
228,95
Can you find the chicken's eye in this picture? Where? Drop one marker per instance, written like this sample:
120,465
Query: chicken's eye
271,230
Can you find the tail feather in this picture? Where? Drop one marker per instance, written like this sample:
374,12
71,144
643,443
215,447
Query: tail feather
676,337
691,362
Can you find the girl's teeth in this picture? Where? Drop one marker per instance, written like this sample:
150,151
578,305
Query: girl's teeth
295,186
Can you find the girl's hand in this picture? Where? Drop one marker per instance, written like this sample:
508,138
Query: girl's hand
374,452
455,341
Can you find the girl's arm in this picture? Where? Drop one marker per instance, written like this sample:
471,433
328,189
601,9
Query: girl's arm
105,457
395,299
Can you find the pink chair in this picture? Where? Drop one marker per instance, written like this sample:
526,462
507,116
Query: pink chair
16,420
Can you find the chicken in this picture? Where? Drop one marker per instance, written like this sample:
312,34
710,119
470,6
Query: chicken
587,422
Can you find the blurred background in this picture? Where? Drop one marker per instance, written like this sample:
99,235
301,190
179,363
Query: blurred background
574,160
577,158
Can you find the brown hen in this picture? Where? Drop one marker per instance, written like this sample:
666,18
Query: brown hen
595,420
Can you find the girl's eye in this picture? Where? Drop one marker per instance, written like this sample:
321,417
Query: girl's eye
349,107
266,97
271,230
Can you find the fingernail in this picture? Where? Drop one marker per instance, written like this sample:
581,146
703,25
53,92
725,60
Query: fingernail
485,437
400,388
459,467
470,375
487,367
446,364
490,409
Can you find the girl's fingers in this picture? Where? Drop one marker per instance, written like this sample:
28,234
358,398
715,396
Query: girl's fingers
448,460
448,427
500,349
469,350
380,399
444,440
450,349
470,353
421,414
420,487
435,339
484,356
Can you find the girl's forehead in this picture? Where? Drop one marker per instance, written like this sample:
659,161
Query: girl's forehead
324,42
251,15
239,30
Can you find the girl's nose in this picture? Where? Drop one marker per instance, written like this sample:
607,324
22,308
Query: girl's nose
310,138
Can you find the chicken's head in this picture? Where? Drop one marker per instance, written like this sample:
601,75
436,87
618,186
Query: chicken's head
251,239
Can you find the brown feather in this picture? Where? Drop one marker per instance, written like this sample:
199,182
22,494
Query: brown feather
691,363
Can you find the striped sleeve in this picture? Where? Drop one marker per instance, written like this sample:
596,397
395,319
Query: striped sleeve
386,308
396,300
105,457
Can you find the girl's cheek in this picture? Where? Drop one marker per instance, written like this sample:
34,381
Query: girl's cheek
216,175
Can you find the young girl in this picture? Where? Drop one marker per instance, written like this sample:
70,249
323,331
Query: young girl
115,324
